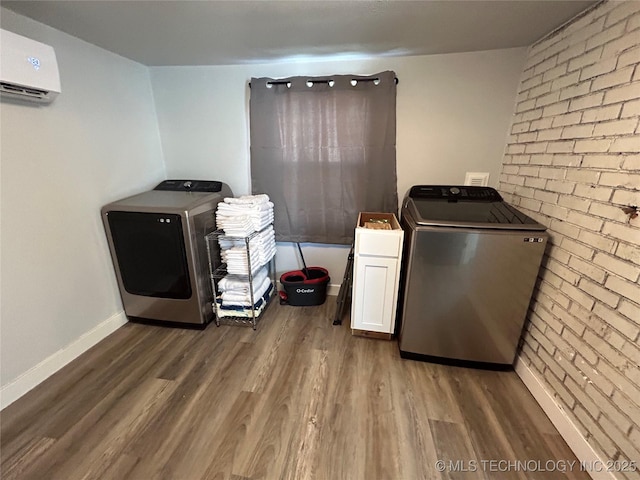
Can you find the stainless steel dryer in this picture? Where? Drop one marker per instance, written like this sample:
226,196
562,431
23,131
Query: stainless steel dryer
157,243
471,263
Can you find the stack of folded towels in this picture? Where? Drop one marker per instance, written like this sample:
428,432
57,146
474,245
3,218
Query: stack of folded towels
262,248
235,288
240,217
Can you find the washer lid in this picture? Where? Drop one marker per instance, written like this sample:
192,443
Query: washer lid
165,200
463,206
174,196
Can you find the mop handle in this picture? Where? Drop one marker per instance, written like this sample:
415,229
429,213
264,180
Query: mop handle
304,264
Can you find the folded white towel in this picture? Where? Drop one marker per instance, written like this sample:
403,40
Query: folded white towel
245,229
248,199
265,237
238,298
232,208
240,283
240,265
240,221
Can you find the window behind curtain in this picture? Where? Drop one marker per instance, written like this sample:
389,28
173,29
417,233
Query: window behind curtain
324,150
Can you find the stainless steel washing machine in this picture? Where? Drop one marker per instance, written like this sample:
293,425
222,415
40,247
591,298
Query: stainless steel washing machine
470,266
157,243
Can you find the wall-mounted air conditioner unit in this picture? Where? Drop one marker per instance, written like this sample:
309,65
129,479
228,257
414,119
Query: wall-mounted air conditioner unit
28,69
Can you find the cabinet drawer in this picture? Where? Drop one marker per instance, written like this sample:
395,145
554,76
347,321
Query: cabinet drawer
383,244
378,242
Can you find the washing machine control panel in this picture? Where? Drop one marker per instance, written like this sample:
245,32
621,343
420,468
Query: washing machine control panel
209,186
455,192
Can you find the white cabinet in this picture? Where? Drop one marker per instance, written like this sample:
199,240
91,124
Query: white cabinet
376,274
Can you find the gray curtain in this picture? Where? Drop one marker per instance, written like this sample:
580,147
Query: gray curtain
324,150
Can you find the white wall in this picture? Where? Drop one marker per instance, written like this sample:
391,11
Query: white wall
453,116
97,142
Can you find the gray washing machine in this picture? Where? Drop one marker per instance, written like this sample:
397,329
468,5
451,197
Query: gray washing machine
157,243
470,266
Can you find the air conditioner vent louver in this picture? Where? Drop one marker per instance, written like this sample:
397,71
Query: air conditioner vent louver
23,91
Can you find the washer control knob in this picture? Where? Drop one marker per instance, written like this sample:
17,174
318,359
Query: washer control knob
454,191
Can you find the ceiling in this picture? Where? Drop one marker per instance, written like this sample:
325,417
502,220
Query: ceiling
187,32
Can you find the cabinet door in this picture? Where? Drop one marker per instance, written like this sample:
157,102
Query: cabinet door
374,299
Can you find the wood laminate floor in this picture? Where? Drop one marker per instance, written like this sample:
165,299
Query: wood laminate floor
297,399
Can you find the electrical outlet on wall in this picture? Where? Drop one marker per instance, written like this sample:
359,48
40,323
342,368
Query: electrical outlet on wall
477,179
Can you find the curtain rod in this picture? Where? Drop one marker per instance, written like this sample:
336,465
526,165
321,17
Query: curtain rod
284,82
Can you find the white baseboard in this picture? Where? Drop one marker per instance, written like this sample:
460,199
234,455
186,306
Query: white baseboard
31,378
333,289
567,429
